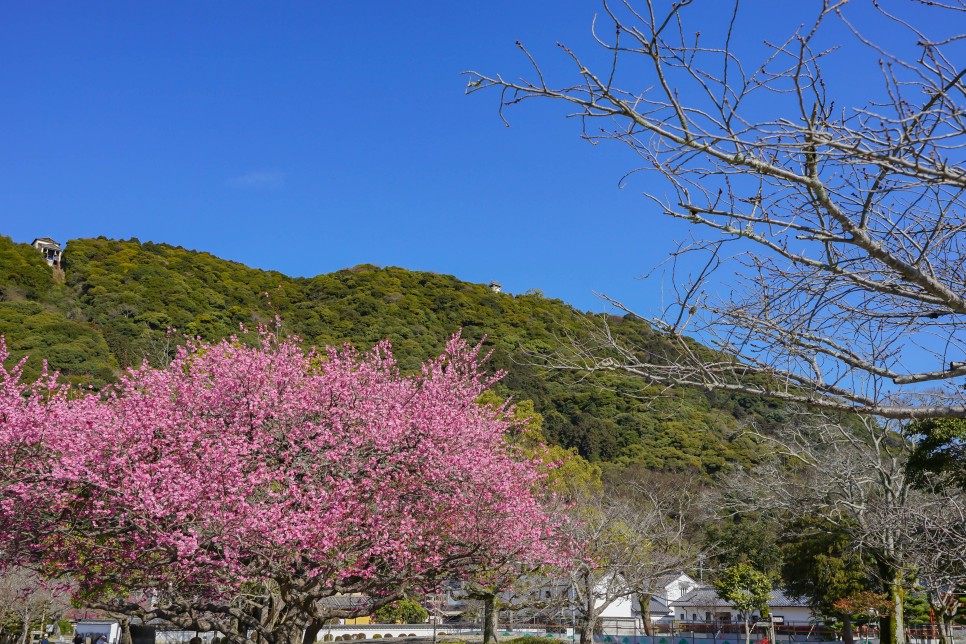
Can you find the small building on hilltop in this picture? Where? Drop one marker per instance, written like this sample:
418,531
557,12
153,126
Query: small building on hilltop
50,249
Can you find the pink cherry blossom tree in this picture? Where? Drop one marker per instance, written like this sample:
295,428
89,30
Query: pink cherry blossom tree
239,486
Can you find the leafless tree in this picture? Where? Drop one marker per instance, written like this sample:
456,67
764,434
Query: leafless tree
940,555
844,221
28,603
852,477
675,510
626,543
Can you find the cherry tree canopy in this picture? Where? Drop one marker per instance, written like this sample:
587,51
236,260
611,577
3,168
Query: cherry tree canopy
241,484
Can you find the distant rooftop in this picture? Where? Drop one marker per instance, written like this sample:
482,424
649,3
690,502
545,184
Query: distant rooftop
45,241
706,596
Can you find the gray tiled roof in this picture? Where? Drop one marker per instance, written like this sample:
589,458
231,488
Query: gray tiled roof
706,596
700,596
658,605
779,599
345,602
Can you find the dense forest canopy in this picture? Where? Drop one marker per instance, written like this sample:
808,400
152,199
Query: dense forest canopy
117,303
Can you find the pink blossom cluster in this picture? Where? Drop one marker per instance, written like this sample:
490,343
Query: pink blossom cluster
238,464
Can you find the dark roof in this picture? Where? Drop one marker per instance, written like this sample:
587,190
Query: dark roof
706,596
46,240
780,600
700,596
663,581
345,602
658,604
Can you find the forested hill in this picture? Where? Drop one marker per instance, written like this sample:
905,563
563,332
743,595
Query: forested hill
116,300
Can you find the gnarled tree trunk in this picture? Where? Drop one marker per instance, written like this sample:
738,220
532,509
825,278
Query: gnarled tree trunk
125,631
490,618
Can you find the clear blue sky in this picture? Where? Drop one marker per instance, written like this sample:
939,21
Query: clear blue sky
306,137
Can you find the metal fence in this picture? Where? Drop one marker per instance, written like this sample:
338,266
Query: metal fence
677,632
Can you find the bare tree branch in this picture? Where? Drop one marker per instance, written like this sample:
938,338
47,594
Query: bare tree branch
846,225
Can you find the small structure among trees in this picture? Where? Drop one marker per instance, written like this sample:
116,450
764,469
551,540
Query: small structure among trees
50,249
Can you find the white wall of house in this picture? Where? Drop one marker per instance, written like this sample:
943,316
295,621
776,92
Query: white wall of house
714,609
679,587
621,608
93,628
793,614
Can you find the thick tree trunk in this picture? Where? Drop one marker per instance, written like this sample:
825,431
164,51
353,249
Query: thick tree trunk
847,635
587,627
747,630
944,624
126,632
645,601
490,618
285,635
311,632
892,628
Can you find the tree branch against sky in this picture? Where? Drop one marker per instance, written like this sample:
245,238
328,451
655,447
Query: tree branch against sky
826,222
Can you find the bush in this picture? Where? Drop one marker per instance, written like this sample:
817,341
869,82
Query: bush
404,611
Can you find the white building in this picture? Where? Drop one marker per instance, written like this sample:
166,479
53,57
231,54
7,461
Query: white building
623,614
703,605
50,249
92,629
553,601
667,589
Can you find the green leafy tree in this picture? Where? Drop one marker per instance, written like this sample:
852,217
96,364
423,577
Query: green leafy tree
865,604
745,588
23,271
940,451
403,611
750,538
820,564
121,298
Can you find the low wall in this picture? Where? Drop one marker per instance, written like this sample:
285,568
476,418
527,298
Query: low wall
342,632
705,638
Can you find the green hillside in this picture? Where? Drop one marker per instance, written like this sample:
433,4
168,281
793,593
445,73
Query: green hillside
42,319
118,301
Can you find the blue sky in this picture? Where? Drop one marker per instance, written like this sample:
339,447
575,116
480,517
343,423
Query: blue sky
306,137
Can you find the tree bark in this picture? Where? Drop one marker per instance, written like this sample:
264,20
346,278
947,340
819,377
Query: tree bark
942,625
847,635
645,601
126,632
892,628
490,617
311,632
25,631
587,627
